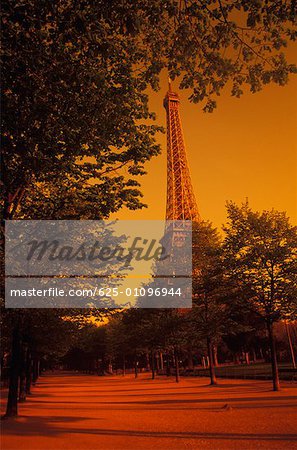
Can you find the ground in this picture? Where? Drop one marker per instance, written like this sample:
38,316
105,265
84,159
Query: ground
81,412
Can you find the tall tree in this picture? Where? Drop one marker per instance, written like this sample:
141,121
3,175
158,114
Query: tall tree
260,249
33,335
118,340
212,293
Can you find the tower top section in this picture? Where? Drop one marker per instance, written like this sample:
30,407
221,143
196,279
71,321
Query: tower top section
181,201
170,96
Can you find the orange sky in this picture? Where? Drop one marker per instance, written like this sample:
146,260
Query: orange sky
246,148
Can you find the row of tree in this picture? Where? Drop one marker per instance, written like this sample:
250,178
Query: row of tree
32,340
243,286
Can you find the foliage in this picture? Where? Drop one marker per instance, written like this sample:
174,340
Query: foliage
45,330
214,298
260,250
75,76
238,41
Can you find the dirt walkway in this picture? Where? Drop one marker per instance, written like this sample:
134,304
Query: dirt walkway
75,412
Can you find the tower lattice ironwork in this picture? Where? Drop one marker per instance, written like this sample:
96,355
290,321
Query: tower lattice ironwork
181,201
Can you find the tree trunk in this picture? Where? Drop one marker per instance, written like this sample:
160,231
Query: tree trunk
22,387
35,374
247,357
176,364
215,355
22,382
254,355
290,345
110,369
12,401
124,365
161,361
28,372
148,366
190,362
153,364
274,366
167,366
23,372
11,201
157,362
136,368
212,374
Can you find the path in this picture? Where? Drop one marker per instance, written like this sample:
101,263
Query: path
77,412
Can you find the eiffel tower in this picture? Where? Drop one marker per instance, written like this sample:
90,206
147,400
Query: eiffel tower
181,209
181,202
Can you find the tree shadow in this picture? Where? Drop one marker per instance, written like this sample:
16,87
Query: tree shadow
204,400
48,427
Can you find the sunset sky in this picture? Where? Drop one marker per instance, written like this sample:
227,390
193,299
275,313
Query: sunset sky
245,148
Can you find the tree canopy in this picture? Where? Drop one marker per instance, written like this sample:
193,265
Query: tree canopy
75,75
260,250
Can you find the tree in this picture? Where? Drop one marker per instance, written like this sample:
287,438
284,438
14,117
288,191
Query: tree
212,294
118,340
260,250
72,103
89,349
33,335
75,75
138,332
163,330
173,327
26,347
133,341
